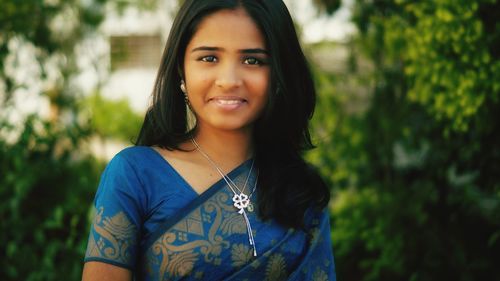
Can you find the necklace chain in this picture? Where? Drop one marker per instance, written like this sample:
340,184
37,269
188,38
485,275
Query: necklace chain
228,180
240,200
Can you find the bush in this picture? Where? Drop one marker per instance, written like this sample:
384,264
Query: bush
47,187
415,176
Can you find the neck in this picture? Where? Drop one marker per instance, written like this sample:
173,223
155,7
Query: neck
227,149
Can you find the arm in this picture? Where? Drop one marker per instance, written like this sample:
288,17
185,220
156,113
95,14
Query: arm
112,246
99,271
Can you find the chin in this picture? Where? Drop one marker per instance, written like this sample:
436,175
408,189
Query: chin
232,126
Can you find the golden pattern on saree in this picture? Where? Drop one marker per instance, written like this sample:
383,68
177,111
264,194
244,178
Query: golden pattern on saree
202,236
177,251
114,237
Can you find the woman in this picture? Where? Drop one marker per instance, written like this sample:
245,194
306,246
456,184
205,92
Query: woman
216,188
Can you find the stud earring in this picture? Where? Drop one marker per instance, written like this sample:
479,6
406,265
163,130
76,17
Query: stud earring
183,86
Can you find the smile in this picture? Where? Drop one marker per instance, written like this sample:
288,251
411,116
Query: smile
227,102
223,102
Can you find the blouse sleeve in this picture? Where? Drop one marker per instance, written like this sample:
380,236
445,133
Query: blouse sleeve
115,229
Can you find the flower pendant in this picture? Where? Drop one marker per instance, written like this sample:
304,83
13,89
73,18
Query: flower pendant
241,201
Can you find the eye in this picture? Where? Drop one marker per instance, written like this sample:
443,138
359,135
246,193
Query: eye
208,59
253,61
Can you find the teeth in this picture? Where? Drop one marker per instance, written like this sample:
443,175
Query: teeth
228,101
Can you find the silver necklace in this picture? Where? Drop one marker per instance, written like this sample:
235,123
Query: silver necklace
240,200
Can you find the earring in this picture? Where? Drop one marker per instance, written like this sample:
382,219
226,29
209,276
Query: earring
183,86
183,89
190,116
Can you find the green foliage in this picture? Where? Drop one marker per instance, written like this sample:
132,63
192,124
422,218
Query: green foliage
46,189
448,49
415,177
47,180
408,203
121,5
452,70
113,119
47,176
53,27
328,6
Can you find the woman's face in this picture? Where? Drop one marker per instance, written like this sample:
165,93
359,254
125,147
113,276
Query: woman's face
226,71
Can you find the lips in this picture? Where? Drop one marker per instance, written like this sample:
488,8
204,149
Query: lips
228,102
224,102
228,99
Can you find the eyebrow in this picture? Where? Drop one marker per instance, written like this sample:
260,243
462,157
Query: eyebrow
244,51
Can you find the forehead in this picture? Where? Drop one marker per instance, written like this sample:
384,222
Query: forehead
228,29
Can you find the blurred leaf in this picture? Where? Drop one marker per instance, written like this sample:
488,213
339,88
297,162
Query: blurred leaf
414,175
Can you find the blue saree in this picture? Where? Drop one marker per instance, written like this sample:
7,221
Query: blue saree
149,220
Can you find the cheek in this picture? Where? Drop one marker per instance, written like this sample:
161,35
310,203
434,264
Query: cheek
193,73
197,81
259,84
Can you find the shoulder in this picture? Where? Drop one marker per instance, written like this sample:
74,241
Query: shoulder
314,216
134,153
129,163
143,165
132,157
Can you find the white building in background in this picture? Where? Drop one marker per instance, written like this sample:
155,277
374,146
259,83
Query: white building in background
122,62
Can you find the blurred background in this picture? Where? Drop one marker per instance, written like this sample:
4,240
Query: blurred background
405,128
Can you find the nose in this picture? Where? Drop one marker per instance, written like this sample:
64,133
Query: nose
228,77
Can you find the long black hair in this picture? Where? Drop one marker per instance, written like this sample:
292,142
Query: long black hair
288,186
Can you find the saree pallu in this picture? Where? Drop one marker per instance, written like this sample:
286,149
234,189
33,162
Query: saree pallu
204,237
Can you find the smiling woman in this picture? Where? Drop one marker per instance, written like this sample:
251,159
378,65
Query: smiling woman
225,72
229,198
